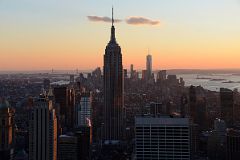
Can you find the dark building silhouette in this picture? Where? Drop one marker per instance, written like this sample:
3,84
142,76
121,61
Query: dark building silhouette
70,108
183,106
61,99
113,89
125,73
192,103
227,104
232,144
131,71
67,147
161,76
84,141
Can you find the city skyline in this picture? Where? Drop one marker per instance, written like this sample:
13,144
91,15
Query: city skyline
67,36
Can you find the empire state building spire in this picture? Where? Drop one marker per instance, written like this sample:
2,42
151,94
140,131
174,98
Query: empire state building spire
113,39
112,17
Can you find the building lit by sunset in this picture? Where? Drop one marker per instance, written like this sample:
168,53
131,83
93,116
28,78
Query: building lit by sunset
6,130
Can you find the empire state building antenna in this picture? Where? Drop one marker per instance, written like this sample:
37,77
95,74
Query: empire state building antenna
112,17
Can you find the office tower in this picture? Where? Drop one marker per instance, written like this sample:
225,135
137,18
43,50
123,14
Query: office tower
6,130
46,84
84,141
43,131
144,75
194,139
162,138
65,98
192,103
84,109
226,98
201,116
131,71
149,66
113,89
61,99
216,141
161,76
67,147
183,107
172,80
232,144
70,118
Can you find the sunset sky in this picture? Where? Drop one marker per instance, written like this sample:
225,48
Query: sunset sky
72,34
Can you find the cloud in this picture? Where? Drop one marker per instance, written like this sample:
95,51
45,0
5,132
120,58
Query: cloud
141,21
102,19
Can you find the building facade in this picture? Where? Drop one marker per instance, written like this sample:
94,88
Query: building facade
6,130
162,138
227,104
84,109
67,147
43,131
149,66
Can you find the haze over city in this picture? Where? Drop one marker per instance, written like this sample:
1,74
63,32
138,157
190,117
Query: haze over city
69,35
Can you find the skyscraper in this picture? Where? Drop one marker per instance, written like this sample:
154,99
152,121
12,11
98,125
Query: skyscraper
43,131
232,144
131,71
113,89
227,104
149,66
84,109
6,130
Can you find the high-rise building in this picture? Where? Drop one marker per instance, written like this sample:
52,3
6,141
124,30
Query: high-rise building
227,104
161,76
84,141
149,66
84,109
70,118
6,130
192,103
43,131
60,95
144,75
113,90
162,138
65,99
131,71
67,147
232,144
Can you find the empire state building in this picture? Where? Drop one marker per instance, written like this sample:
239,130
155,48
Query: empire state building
113,90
